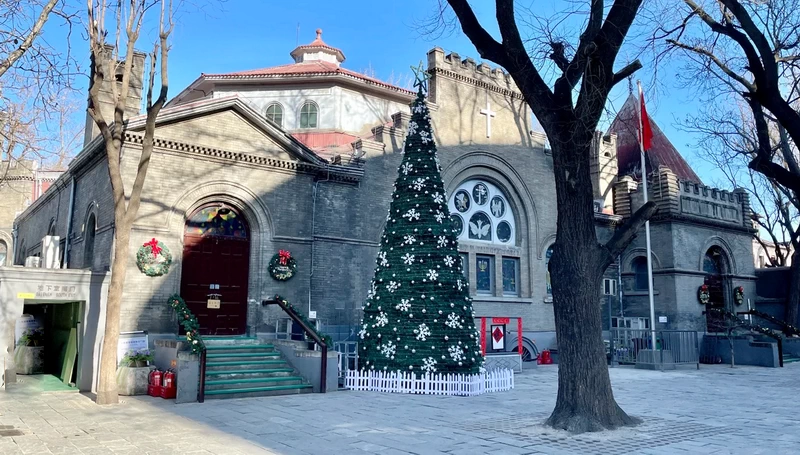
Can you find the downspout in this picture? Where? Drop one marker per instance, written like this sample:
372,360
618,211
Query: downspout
313,230
69,222
619,285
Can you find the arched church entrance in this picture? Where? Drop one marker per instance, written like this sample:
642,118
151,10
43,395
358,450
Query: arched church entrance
714,267
216,266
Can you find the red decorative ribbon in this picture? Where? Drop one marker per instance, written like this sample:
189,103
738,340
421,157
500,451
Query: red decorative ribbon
153,244
284,256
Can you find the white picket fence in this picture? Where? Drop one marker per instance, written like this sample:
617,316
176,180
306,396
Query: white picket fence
430,384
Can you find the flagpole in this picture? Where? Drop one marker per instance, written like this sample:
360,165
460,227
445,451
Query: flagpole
647,228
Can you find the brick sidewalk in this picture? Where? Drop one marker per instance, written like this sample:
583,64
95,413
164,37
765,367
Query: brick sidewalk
746,410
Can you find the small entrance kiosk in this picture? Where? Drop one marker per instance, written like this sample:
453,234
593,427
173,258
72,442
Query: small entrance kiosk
496,349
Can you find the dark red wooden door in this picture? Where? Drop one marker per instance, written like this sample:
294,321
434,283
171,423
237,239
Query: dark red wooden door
216,261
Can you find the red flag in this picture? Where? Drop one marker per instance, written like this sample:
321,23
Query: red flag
647,132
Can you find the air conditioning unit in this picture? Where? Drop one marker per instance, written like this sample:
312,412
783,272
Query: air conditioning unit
33,261
51,252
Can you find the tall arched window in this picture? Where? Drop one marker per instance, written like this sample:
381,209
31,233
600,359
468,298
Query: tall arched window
308,115
3,253
639,267
480,213
52,229
547,256
88,242
275,113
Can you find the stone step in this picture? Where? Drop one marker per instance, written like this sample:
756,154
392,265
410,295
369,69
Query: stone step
231,340
246,365
239,348
253,373
247,392
239,383
242,356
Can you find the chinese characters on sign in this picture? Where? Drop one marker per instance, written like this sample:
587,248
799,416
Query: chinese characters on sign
50,291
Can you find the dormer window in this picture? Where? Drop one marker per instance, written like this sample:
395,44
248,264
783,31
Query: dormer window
308,115
275,113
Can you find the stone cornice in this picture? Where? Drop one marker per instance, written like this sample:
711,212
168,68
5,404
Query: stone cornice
339,173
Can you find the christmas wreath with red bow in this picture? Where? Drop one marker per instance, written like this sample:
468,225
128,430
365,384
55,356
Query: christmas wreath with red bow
153,258
282,266
703,295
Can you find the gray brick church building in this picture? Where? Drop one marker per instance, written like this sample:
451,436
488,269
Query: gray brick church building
302,157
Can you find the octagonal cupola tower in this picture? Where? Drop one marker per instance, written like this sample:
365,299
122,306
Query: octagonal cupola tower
317,50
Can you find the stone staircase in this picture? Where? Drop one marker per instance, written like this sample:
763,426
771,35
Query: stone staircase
240,367
790,358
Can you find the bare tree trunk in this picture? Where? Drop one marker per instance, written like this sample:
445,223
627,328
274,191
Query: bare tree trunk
793,299
107,389
585,400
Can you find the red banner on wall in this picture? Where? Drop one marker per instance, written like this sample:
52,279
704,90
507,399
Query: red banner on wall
501,320
483,337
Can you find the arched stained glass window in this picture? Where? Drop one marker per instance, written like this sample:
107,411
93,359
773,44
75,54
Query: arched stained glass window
216,221
480,213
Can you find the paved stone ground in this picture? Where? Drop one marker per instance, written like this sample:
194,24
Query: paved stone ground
746,410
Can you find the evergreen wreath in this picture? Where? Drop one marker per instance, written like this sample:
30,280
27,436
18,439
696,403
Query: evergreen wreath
153,258
189,323
282,267
703,295
738,295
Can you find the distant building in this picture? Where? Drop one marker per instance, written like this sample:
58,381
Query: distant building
765,253
21,183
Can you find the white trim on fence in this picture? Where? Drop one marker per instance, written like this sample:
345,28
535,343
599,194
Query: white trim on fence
430,384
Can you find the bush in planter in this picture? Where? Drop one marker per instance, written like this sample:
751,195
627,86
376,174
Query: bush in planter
31,337
137,358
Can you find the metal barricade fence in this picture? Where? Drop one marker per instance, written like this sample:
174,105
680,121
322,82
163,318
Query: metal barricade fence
674,347
348,356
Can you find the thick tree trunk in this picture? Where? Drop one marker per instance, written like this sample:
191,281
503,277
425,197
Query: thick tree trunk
793,301
107,389
585,400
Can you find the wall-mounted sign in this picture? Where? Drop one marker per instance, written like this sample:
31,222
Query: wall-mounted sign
131,341
214,303
501,320
498,337
662,319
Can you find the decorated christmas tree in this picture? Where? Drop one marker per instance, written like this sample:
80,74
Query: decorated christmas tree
418,315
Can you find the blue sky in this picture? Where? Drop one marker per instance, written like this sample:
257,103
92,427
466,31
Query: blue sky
384,36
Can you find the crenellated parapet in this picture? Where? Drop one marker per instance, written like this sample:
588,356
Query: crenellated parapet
468,71
684,199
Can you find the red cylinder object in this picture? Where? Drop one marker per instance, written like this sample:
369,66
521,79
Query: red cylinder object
544,358
154,383
169,388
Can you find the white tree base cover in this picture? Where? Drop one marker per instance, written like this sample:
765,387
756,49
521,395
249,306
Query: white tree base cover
430,384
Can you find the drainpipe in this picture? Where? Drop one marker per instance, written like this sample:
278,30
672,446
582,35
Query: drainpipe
13,245
69,222
619,285
313,229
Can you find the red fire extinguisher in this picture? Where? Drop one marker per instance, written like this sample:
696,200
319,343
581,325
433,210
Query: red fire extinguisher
154,383
169,389
545,358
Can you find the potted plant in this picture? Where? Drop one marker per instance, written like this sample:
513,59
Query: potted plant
138,358
31,337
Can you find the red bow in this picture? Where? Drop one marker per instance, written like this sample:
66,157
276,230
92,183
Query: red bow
284,256
153,244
